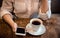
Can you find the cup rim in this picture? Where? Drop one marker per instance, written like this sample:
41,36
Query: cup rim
37,20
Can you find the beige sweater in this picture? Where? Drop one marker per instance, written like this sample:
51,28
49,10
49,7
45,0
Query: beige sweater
22,8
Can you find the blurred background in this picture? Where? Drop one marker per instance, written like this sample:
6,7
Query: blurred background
55,7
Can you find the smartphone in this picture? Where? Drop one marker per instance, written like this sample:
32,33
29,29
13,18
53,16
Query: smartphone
20,31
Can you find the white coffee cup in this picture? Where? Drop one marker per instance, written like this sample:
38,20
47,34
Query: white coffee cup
36,23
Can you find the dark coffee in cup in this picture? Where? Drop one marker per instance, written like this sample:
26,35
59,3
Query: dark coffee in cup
36,23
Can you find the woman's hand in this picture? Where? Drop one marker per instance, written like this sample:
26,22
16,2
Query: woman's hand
14,27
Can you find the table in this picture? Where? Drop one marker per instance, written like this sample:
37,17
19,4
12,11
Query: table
52,26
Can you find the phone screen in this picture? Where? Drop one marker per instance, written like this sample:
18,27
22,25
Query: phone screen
20,30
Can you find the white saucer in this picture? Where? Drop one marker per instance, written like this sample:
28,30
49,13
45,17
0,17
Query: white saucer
40,31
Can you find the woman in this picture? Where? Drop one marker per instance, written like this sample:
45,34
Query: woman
24,9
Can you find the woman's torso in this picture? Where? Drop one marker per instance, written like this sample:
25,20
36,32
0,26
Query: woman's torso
25,8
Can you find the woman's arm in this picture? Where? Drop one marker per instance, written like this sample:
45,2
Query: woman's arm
6,15
9,20
44,11
44,6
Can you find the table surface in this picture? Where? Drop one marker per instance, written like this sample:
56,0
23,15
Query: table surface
52,25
